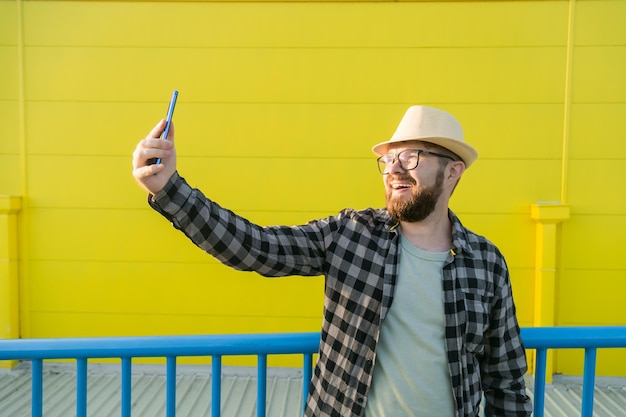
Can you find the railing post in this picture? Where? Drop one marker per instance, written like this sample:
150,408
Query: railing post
127,380
261,396
589,381
170,378
37,388
81,387
307,370
540,382
216,386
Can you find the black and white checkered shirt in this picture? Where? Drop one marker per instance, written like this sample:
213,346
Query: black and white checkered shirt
357,252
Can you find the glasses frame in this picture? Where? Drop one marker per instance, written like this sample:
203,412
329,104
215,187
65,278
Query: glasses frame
396,157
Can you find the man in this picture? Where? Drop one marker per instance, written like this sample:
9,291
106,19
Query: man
419,319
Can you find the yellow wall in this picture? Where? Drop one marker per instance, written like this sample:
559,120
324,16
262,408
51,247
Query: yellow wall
279,105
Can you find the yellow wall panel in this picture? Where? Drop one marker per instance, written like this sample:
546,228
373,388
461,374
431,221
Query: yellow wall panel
597,183
590,242
8,23
598,74
507,186
600,22
597,131
338,129
9,71
10,175
523,284
80,181
291,24
91,128
210,129
317,75
511,131
9,116
107,235
174,288
499,228
599,306
335,130
263,184
270,183
306,129
93,325
609,362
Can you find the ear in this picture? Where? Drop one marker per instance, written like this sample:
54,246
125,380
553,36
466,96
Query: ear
454,171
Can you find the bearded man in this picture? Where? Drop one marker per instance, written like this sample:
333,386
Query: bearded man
419,318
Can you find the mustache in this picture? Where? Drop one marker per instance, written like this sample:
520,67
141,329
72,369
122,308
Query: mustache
403,178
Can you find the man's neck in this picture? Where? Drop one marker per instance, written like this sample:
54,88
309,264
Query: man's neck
434,233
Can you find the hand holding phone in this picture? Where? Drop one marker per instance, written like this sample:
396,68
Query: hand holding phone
168,119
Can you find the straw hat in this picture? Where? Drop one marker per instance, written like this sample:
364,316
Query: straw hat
431,125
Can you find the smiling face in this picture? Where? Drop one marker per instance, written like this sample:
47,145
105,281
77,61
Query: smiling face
412,195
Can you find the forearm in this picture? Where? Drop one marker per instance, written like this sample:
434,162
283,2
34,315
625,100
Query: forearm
232,239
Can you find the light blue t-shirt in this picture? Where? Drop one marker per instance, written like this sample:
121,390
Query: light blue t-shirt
411,376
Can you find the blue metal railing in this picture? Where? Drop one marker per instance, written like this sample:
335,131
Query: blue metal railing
588,338
171,347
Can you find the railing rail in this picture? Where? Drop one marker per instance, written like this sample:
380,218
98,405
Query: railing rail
261,345
588,338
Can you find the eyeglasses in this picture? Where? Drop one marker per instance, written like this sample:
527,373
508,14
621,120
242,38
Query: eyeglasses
408,159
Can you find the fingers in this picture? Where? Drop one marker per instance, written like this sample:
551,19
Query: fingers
151,148
157,130
147,171
147,174
151,177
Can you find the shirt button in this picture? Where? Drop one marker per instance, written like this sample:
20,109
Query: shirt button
360,400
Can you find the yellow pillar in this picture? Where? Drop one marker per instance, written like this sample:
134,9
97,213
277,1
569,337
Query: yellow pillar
547,216
9,306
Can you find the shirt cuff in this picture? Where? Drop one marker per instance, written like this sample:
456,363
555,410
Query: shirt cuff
171,199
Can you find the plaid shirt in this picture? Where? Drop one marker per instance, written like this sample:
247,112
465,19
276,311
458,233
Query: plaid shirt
357,252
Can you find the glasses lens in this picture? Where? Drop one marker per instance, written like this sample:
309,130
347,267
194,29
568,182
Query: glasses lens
408,160
384,161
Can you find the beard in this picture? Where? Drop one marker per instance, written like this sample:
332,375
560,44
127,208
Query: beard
420,204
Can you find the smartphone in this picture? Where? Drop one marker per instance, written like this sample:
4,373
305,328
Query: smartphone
168,119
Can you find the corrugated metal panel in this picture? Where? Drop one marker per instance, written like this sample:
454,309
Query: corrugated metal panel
563,398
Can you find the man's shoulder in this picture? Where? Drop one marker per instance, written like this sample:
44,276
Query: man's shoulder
470,241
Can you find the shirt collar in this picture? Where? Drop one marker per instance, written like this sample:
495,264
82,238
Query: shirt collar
460,242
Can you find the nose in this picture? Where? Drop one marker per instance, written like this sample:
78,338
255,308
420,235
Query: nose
395,167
